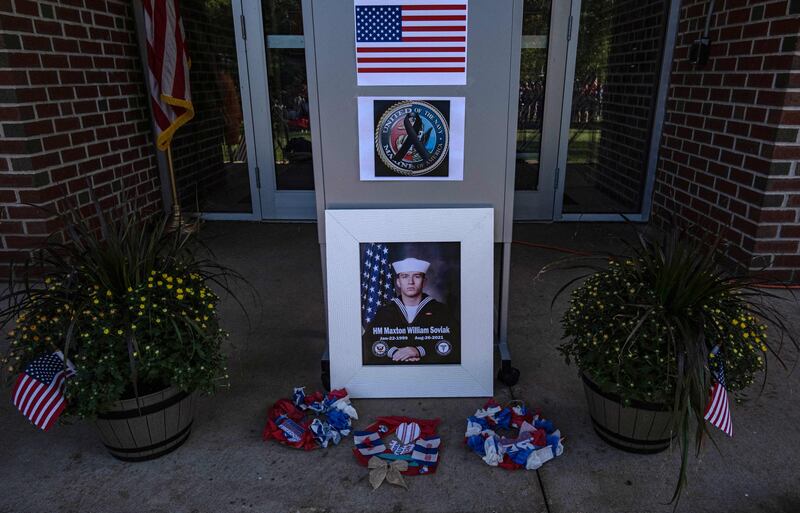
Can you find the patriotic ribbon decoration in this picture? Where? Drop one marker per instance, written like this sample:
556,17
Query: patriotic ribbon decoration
310,422
535,442
413,441
380,470
39,390
718,411
168,69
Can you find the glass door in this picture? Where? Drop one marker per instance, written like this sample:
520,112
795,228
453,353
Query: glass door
213,157
279,103
543,46
614,69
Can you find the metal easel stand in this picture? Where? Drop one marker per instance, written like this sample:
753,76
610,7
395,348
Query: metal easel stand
325,368
507,374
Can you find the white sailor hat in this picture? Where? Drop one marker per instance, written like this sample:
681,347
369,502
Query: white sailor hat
411,265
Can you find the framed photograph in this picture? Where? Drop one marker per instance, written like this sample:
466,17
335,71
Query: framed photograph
407,138
410,301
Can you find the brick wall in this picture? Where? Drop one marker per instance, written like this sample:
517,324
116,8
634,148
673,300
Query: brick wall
72,116
630,80
730,146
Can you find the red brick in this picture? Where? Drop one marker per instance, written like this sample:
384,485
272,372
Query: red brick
772,45
786,152
790,231
791,261
26,242
65,45
68,14
55,142
775,246
26,7
54,61
15,23
786,26
36,43
76,31
784,62
47,27
23,60
43,77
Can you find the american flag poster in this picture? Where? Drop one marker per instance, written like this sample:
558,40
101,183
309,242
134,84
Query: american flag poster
413,42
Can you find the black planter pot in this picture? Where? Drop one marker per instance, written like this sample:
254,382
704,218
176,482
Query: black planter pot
642,427
151,427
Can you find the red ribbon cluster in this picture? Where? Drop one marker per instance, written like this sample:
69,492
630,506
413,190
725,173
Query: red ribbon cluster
386,426
303,418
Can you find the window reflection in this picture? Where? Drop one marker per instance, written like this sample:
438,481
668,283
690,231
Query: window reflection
616,74
530,113
288,94
210,152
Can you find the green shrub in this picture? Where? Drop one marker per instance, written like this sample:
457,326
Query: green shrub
129,303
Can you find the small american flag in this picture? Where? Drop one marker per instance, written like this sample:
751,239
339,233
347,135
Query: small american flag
377,286
411,43
38,392
718,411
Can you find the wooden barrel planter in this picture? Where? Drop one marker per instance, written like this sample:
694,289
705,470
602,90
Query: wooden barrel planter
642,427
151,427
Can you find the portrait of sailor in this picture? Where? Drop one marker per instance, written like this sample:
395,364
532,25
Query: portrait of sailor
412,327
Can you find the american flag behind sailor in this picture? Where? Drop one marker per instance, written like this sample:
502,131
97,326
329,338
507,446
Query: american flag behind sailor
377,286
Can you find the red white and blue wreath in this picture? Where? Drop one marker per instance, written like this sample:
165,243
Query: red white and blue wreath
309,422
395,439
526,440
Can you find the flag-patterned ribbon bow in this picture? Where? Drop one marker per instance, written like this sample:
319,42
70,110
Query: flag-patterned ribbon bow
380,470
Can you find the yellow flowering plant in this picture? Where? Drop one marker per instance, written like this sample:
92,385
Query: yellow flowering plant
131,306
644,328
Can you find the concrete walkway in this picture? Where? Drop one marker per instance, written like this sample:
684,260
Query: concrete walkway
225,466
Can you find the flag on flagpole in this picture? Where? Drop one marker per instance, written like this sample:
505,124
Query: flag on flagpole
168,69
411,42
718,411
377,285
39,391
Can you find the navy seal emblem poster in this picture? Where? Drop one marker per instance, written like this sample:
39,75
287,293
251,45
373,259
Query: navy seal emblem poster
410,303
411,138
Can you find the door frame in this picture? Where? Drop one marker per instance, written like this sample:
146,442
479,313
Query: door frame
556,122
268,203
539,204
275,204
659,109
249,135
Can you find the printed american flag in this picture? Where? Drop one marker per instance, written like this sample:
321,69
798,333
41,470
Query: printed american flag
39,391
377,286
168,67
718,411
413,42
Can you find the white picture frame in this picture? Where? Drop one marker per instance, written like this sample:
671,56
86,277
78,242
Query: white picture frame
473,228
366,139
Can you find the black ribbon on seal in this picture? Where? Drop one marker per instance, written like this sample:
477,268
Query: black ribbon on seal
413,126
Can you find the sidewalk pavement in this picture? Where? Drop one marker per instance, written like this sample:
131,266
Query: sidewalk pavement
226,467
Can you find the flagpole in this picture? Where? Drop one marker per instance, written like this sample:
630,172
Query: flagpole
176,223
